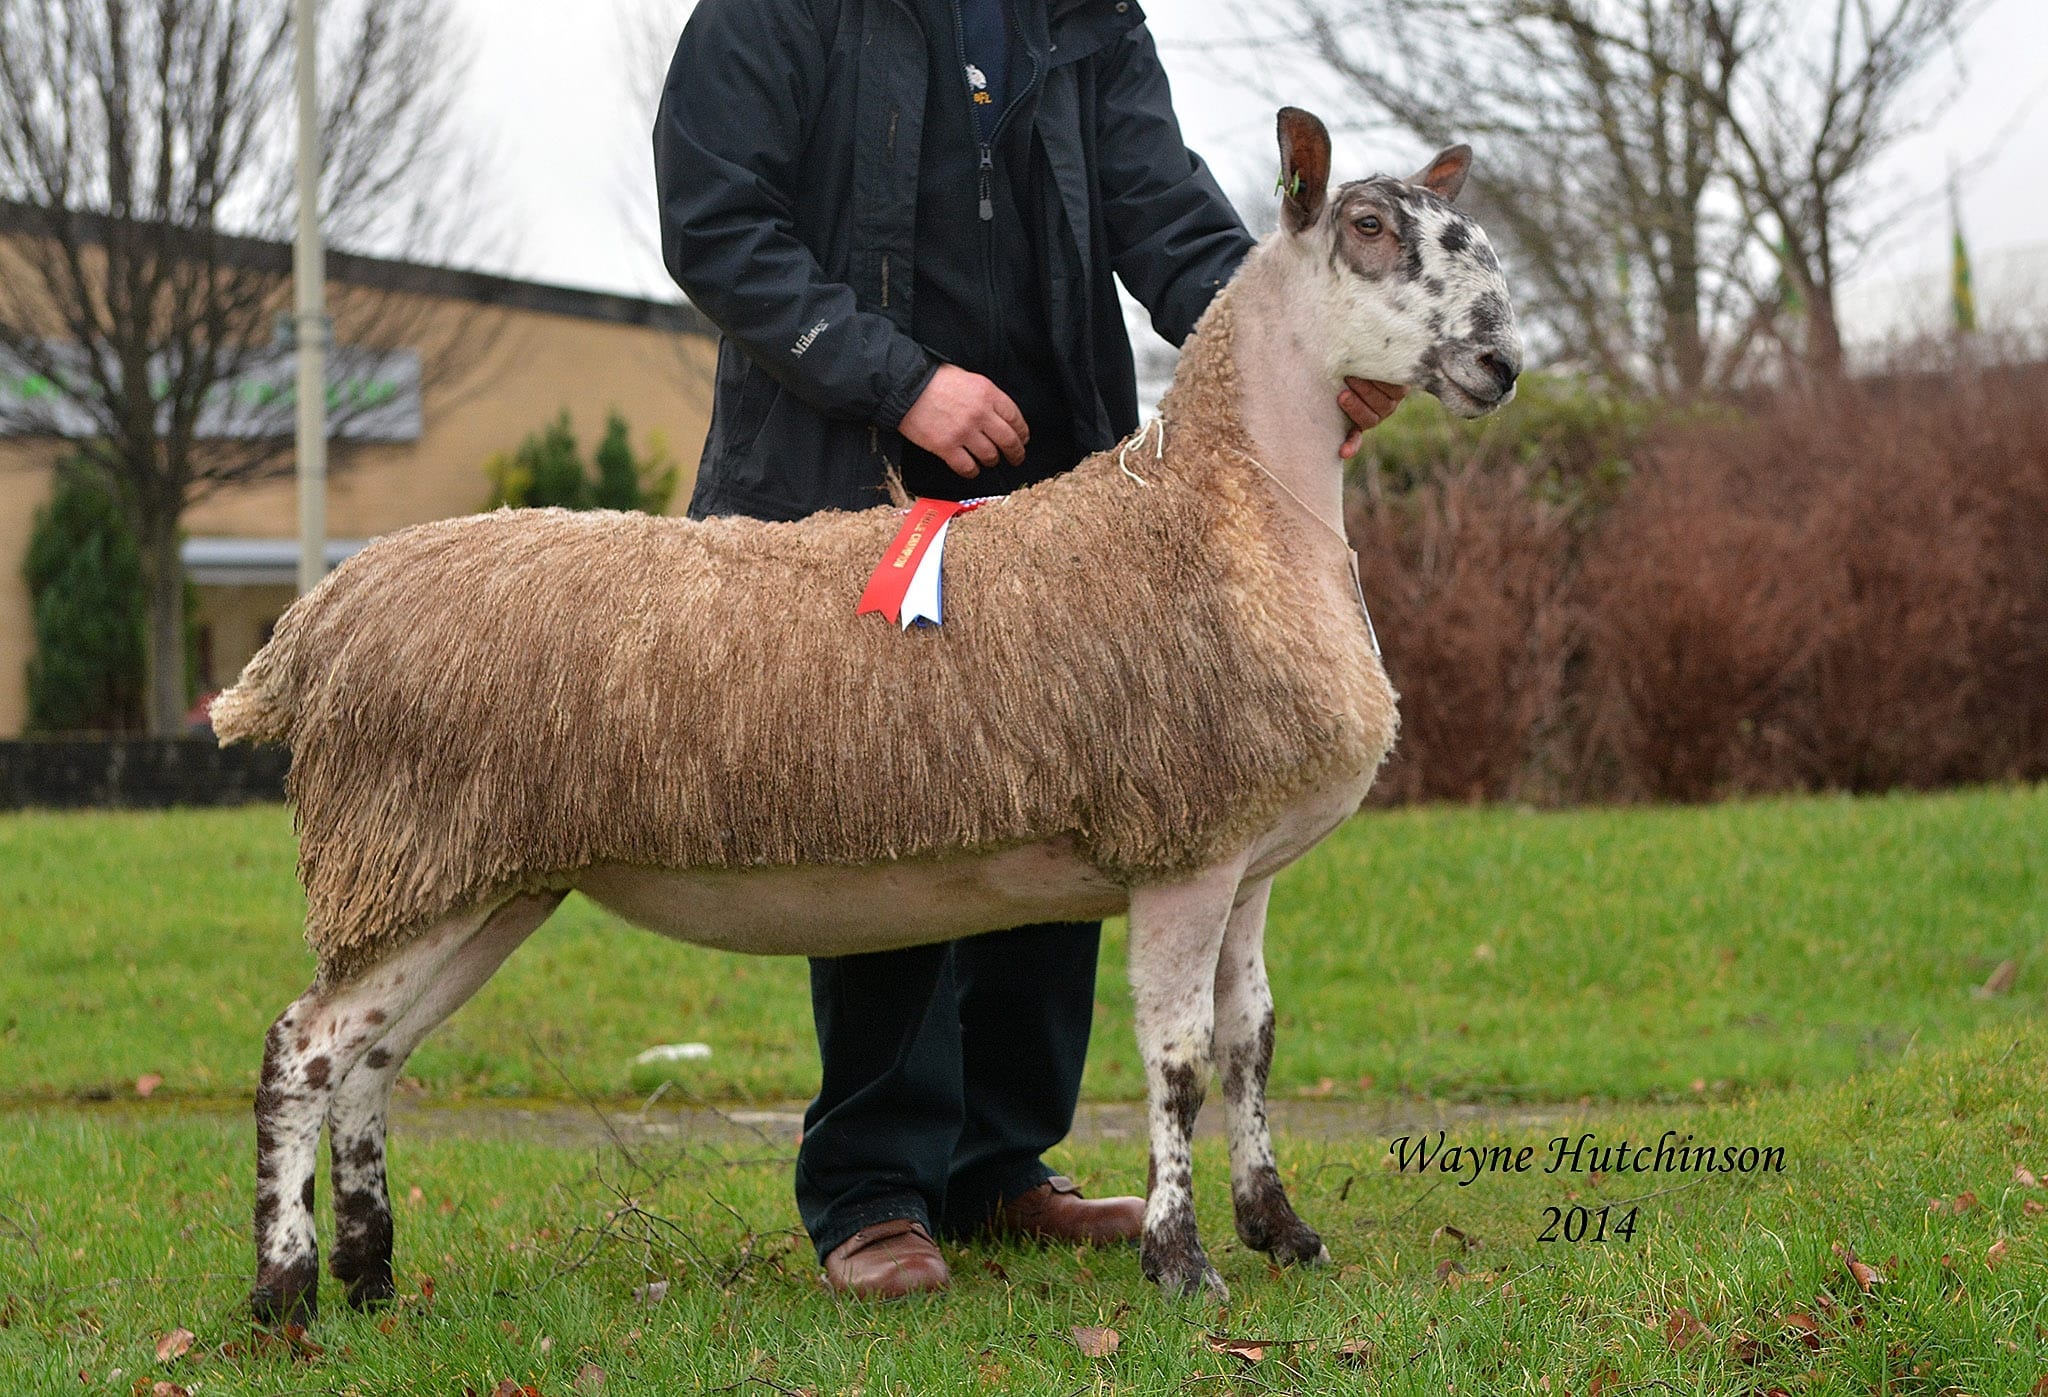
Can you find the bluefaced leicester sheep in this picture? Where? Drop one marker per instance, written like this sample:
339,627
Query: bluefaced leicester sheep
1156,686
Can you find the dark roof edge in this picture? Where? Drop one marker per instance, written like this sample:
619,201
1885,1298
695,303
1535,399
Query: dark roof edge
417,278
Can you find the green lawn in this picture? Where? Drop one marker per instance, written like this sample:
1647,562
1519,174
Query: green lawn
515,1262
1477,954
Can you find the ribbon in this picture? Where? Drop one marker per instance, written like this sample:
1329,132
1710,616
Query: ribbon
904,586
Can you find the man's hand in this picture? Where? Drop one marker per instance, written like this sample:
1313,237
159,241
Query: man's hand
966,421
1367,402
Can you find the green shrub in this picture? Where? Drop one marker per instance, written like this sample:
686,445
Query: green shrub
1575,439
85,587
548,469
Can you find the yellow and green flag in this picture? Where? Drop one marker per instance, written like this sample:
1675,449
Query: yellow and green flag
1962,298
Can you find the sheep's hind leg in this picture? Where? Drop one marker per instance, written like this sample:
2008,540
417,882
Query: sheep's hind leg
1176,931
356,1116
1266,1221
312,1047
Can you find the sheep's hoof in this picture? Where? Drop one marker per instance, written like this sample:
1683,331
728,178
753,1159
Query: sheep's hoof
1202,1282
1186,1274
371,1291
1267,1222
286,1294
1299,1247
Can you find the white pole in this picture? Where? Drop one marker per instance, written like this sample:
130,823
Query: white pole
309,278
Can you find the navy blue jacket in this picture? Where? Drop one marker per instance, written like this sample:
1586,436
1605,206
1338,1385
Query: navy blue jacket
787,157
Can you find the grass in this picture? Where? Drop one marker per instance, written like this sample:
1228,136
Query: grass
514,1263
1793,974
1647,955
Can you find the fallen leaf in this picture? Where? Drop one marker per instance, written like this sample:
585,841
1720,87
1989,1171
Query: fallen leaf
1965,1201
994,1268
1868,1276
2024,1177
1455,1234
1603,1378
1246,1349
653,1293
2040,1388
1446,1269
2033,1207
295,1336
147,1083
1681,1329
1093,1342
174,1345
1356,1352
2000,979
1746,1349
388,1325
1805,1328
1996,1256
168,1389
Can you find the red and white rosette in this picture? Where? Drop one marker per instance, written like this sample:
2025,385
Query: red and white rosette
904,586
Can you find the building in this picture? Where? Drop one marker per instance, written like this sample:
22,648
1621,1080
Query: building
529,352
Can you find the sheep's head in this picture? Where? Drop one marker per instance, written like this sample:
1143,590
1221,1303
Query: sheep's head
1413,288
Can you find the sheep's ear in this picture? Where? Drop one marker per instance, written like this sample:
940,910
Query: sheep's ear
1445,175
1304,167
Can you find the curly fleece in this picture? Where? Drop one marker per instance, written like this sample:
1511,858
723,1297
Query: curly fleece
488,704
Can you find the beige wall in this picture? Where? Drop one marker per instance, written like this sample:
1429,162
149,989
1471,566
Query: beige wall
24,487
535,365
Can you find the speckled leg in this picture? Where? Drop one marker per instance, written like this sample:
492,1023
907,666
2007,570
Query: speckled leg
312,1046
1266,1221
1176,932
357,1113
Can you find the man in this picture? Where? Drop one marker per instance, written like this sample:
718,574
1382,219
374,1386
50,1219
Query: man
905,216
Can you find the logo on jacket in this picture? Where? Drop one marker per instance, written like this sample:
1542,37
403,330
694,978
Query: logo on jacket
807,338
977,84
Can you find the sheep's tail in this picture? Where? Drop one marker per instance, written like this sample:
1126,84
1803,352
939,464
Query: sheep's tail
259,707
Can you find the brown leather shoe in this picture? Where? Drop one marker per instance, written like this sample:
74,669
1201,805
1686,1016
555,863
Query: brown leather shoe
887,1262
1055,1211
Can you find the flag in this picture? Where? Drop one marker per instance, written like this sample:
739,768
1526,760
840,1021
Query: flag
1962,298
1791,301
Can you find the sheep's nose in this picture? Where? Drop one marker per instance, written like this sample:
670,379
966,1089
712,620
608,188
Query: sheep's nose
1504,365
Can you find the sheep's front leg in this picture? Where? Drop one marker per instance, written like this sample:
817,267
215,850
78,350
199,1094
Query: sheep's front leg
1266,1221
1176,931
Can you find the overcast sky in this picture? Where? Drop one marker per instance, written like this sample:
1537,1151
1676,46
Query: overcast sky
557,94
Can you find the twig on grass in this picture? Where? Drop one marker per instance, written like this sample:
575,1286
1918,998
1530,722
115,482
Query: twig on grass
26,1232
583,1096
748,1381
1646,1197
47,1295
1416,1204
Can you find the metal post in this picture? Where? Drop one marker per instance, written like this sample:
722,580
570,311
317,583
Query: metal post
309,278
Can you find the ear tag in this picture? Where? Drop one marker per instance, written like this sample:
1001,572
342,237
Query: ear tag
1290,187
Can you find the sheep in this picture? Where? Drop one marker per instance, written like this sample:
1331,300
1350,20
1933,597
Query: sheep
1156,685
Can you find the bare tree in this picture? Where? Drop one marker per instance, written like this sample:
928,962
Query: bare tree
1651,163
145,178
1806,119
645,40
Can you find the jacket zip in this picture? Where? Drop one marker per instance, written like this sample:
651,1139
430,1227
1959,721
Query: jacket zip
987,147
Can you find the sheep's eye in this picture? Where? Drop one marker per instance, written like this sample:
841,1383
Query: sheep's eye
1369,225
